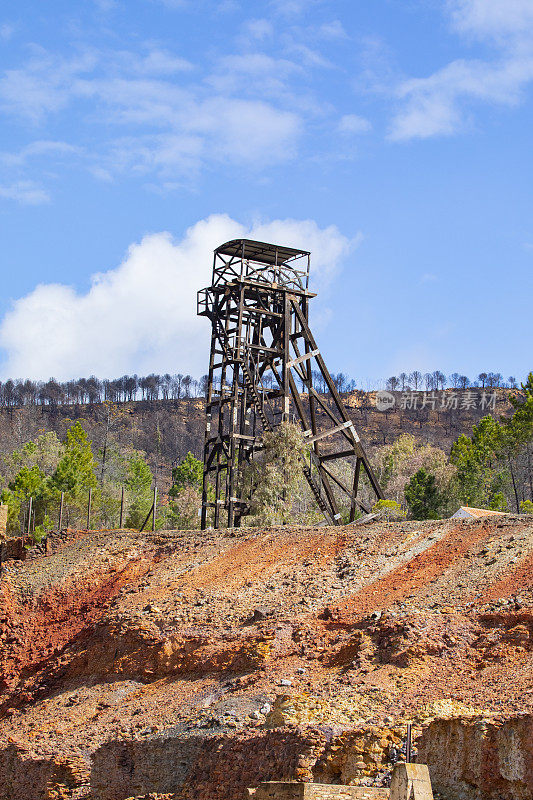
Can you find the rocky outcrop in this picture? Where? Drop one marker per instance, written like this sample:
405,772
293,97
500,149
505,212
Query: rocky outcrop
480,759
203,767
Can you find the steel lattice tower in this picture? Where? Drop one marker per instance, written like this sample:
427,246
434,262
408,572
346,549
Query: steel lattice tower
261,348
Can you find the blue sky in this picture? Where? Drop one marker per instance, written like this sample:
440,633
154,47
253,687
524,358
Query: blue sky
391,137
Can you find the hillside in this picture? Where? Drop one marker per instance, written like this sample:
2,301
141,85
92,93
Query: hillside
167,429
195,665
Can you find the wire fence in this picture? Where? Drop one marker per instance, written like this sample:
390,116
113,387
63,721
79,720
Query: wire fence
28,526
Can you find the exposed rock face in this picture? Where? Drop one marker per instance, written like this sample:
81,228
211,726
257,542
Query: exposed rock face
207,767
482,758
136,665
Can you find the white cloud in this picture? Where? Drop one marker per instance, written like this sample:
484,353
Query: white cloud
206,6
241,132
327,245
245,132
249,131
293,8
435,105
26,193
44,85
40,147
141,316
441,103
106,5
227,6
254,72
160,62
288,8
157,115
258,29
179,126
175,3
333,30
6,32
162,154
353,124
309,56
492,17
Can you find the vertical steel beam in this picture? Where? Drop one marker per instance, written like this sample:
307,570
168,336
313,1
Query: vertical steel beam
286,356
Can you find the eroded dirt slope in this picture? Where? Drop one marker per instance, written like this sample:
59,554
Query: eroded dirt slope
197,664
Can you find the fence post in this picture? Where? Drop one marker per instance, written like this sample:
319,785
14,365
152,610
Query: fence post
28,530
154,509
408,745
89,509
121,508
61,512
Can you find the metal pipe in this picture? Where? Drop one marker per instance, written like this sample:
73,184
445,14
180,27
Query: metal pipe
61,511
28,528
89,509
154,509
408,744
121,508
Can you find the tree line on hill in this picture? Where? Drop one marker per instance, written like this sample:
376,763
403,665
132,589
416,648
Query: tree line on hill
433,381
92,390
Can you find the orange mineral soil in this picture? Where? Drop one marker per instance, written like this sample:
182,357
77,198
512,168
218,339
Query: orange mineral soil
192,665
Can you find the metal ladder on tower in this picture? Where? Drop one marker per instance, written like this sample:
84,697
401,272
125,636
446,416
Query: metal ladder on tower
250,386
316,491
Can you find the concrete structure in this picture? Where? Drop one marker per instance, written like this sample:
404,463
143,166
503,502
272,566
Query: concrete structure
408,782
283,790
411,782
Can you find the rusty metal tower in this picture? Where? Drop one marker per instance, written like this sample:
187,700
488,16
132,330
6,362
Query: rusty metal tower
261,349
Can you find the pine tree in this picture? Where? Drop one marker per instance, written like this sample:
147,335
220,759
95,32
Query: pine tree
188,473
138,486
75,470
423,497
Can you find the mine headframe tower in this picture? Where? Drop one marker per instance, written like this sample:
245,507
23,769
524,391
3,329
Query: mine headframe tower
262,350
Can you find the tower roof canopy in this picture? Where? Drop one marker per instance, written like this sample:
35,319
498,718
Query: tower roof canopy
263,252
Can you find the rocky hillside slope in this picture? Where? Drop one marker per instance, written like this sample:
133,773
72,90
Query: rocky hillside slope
196,664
